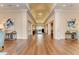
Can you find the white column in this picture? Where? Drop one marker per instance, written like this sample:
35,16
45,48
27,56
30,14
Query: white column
24,26
59,26
31,29
46,29
49,29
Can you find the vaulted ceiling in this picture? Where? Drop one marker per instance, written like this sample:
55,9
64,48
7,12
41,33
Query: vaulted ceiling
40,11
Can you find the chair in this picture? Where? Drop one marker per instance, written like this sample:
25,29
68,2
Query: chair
2,38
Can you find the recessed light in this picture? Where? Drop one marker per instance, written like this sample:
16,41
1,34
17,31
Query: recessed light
17,5
1,5
64,5
40,14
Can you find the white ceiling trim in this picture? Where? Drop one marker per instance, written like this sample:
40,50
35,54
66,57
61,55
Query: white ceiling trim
51,13
29,13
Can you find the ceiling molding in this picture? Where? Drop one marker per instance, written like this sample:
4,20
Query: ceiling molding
29,13
50,14
65,10
46,17
44,9
20,10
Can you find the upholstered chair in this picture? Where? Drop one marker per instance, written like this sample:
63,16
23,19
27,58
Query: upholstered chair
2,35
2,38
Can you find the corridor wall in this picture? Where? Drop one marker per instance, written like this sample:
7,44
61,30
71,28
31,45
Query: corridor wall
61,18
20,21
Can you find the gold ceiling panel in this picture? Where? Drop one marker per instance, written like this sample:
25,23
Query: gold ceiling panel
40,11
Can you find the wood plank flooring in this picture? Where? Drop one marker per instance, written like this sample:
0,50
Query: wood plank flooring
48,46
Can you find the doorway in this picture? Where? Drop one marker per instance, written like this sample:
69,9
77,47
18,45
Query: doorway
52,30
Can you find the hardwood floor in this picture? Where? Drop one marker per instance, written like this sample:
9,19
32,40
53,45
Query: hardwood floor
48,46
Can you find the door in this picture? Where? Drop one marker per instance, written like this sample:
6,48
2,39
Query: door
52,29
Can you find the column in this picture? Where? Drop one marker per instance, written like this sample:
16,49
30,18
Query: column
49,28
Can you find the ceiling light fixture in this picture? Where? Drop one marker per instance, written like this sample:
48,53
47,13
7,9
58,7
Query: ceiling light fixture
1,5
17,5
40,14
64,5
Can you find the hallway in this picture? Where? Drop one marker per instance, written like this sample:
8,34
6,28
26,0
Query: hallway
40,28
48,47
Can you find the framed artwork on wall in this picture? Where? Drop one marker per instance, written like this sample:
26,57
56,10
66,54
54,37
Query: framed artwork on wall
9,23
72,23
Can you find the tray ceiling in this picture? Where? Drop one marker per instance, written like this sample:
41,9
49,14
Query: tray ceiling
40,11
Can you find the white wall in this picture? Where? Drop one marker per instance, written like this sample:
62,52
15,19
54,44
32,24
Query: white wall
20,21
30,23
61,17
48,24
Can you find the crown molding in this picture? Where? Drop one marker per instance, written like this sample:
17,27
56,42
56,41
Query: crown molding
51,13
29,13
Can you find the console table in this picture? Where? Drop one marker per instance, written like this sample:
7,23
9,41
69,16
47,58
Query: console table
71,35
11,36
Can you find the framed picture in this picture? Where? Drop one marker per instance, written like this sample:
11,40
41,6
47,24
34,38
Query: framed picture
71,24
9,23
